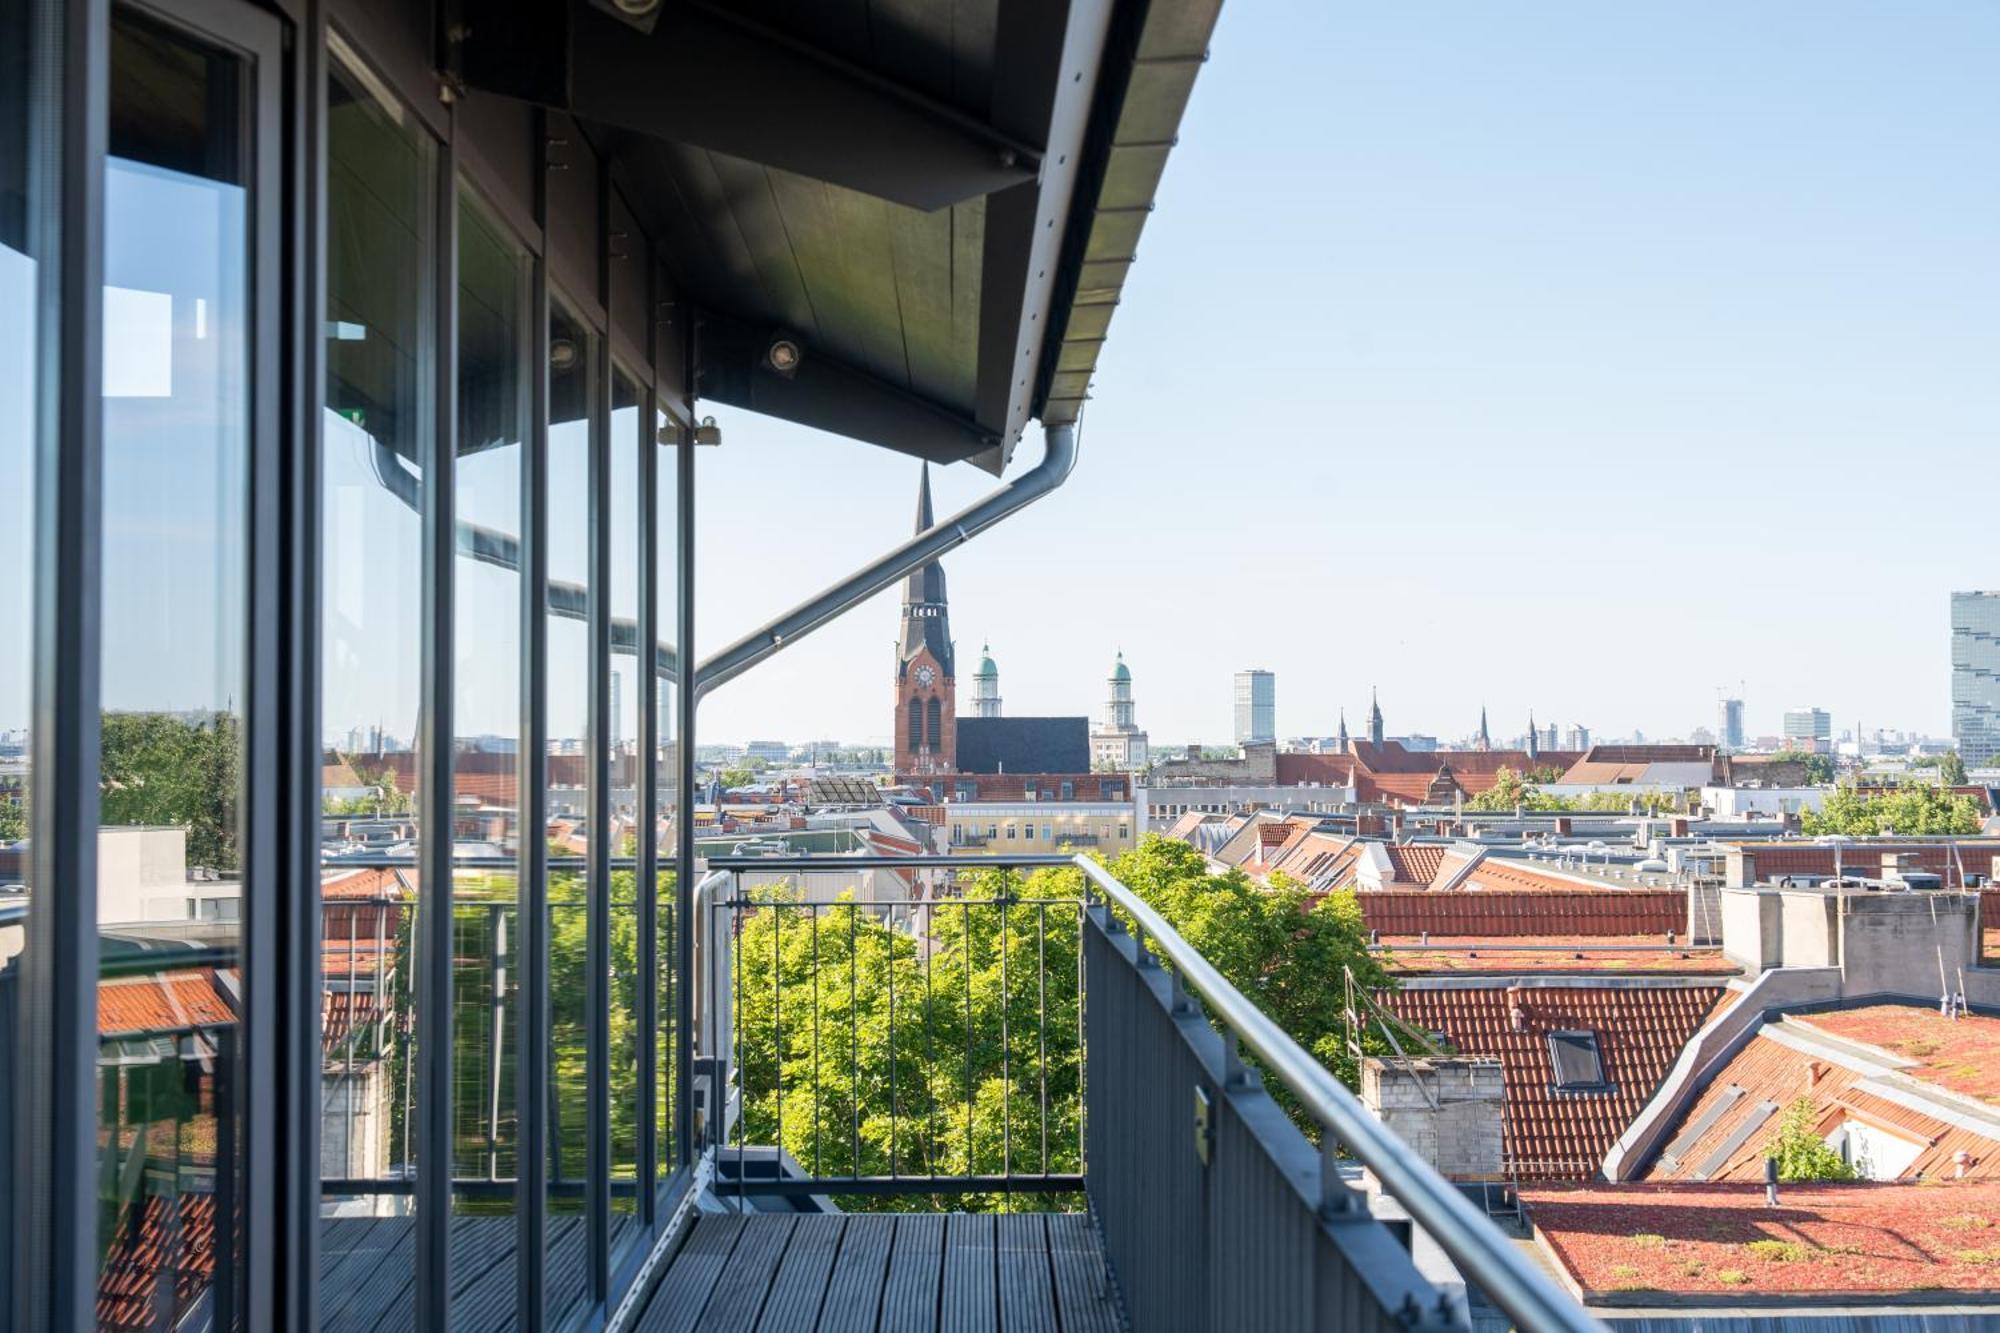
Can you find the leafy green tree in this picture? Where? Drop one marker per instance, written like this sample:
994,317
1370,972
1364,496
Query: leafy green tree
1510,791
175,769
1951,769
1802,1155
1918,808
1283,947
13,819
951,1044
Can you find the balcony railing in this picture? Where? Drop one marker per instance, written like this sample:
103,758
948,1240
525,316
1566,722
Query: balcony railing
1107,1060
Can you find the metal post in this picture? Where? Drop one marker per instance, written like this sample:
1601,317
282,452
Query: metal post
684,701
532,1032
597,882
55,1240
434,914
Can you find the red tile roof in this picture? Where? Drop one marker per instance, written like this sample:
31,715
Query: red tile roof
172,1234
1955,1055
1503,915
1835,1240
1633,955
1551,1135
1416,862
1511,873
160,1003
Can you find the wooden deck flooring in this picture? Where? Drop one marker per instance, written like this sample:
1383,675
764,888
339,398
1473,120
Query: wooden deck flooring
885,1273
367,1268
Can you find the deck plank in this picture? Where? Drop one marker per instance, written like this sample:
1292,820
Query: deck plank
969,1302
883,1273
800,1287
916,1261
1027,1287
1083,1295
682,1295
854,1295
746,1281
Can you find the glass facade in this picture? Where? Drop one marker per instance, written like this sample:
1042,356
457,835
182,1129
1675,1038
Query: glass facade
377,433
19,371
172,851
1975,676
574,411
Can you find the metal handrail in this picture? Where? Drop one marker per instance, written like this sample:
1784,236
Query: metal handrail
1482,1253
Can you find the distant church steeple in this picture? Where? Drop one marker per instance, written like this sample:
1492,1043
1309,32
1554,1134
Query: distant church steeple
1482,741
1374,716
926,674
1534,748
1342,737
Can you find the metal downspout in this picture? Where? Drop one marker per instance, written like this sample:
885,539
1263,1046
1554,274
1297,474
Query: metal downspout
1058,457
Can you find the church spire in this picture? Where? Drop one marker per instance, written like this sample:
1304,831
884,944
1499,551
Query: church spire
1374,716
926,614
1534,746
1342,737
1485,742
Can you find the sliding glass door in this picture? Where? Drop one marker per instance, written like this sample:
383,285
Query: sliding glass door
184,858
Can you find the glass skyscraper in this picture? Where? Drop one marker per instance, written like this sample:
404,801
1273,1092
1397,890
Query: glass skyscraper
1975,675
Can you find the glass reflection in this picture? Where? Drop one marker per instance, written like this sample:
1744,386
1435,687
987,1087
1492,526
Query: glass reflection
666,770
18,362
175,483
627,505
573,352
493,412
377,435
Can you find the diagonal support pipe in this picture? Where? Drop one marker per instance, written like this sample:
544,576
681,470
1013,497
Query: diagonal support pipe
1058,457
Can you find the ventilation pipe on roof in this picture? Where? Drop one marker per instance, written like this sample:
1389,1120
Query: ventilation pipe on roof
1058,458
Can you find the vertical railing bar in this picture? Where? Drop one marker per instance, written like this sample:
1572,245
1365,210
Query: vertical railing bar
965,953
930,1029
1006,1050
778,1015
736,1031
892,1050
1082,1042
853,1043
1042,1018
817,1092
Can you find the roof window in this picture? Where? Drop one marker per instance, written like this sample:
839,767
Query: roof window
1578,1064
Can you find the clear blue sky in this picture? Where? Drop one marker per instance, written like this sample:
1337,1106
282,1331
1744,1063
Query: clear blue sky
1578,357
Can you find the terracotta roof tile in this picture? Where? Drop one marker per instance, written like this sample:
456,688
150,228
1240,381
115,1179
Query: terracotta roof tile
1502,915
1731,1111
172,1234
1416,862
1633,955
162,1002
1551,1135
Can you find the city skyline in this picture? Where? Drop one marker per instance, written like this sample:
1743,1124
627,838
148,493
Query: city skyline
1585,400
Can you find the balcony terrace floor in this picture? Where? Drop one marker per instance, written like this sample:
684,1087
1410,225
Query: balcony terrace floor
886,1273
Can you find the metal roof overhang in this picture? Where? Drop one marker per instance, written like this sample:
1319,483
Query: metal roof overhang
937,201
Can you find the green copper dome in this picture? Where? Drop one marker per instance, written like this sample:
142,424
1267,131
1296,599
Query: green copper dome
1121,671
986,667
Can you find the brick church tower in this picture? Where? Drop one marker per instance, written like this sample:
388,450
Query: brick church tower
926,682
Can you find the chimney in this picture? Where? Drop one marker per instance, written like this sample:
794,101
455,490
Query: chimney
1461,1137
1517,1016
